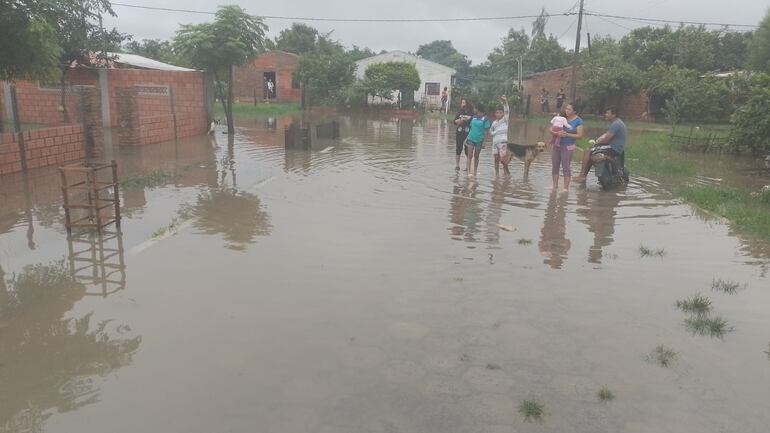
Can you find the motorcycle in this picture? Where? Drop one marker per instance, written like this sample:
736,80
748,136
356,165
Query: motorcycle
609,169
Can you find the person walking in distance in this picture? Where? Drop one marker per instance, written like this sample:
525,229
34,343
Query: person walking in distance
444,100
463,126
560,97
544,108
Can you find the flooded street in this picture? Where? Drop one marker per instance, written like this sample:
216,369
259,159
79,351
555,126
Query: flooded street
364,286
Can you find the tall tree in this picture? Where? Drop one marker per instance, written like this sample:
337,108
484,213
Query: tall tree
298,39
324,74
731,50
230,40
538,26
646,45
759,46
156,49
442,52
83,39
357,53
28,40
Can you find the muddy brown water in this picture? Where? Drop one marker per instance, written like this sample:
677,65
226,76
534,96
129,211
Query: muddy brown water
364,286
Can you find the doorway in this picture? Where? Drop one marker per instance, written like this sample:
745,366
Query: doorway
270,85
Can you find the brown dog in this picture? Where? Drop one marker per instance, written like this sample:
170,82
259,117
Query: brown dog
526,153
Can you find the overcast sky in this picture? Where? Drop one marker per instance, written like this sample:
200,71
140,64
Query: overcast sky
475,39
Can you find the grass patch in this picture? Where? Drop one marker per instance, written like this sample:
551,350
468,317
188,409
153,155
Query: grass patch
605,394
649,252
243,110
715,327
152,179
728,287
662,355
173,225
744,211
532,410
525,241
697,304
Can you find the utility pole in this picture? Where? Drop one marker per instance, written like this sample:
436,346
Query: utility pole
573,82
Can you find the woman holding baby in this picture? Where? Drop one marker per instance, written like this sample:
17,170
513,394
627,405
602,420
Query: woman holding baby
566,130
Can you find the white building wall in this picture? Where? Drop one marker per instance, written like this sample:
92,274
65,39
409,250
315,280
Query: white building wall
429,72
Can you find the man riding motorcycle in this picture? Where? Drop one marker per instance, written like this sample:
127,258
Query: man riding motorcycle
612,142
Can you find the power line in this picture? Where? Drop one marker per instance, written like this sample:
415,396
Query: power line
355,20
655,20
425,20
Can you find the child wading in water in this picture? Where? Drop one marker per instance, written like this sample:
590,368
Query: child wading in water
479,126
499,131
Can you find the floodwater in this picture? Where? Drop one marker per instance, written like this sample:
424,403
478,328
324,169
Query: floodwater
363,286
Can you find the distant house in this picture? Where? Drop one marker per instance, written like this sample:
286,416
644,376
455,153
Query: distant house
433,76
269,77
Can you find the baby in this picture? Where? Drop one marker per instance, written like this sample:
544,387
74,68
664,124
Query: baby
558,124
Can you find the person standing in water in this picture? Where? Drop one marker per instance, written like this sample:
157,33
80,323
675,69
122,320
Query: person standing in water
480,124
463,124
562,153
499,132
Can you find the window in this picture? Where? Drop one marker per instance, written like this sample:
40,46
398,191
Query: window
432,89
294,83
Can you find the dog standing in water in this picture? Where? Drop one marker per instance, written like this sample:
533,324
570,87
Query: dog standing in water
526,153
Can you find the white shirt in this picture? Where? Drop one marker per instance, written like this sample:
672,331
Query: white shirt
499,129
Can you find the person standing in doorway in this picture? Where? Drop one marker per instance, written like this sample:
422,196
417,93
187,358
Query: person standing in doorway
270,89
560,97
463,126
561,154
544,108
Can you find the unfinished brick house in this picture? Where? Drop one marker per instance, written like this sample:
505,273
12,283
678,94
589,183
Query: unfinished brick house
252,80
142,100
632,106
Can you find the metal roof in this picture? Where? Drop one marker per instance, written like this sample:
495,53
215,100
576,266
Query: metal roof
145,63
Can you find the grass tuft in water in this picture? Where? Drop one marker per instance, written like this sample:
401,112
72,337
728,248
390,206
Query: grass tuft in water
523,241
705,325
662,355
728,287
605,394
649,252
532,410
493,366
768,351
175,222
152,179
697,304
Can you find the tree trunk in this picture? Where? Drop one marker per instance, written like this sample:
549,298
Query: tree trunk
65,115
229,108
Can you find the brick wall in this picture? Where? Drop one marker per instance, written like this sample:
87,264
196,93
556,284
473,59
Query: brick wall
45,147
40,102
249,78
151,115
631,107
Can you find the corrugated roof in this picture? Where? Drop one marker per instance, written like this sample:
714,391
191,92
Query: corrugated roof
145,63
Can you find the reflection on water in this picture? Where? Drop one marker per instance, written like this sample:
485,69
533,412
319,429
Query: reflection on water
237,215
373,326
48,362
554,244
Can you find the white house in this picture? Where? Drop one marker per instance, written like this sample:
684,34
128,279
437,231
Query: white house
433,76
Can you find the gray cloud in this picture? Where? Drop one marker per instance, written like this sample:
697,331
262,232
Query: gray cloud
475,39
